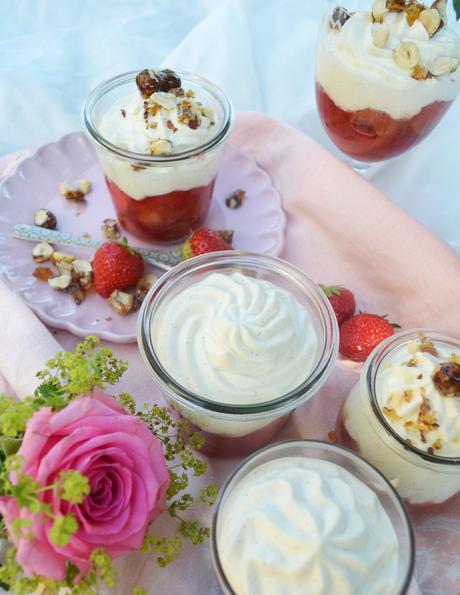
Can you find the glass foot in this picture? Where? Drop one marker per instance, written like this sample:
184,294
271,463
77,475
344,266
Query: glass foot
363,168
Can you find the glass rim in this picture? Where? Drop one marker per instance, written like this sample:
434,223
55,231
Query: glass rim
108,85
283,403
321,444
369,375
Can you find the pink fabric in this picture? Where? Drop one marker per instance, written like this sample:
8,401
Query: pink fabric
340,230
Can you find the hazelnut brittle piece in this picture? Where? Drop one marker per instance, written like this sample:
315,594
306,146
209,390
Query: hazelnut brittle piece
446,378
44,218
121,302
110,229
42,251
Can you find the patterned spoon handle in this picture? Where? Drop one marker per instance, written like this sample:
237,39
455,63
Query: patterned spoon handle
163,259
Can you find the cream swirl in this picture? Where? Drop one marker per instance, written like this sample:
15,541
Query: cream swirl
235,339
129,126
358,75
413,406
295,522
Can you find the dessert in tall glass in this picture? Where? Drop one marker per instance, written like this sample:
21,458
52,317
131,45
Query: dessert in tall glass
158,135
310,517
385,77
404,415
237,341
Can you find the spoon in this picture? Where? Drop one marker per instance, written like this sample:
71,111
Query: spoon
162,258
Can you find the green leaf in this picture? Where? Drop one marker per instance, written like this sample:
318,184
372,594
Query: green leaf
72,572
457,8
10,446
49,394
330,290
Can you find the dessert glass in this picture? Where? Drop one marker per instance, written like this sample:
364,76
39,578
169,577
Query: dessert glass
344,458
421,479
172,192
231,430
371,108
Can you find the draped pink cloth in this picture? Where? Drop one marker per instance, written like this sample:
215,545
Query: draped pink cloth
340,230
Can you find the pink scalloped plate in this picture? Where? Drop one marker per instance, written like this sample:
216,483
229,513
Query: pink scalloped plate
259,226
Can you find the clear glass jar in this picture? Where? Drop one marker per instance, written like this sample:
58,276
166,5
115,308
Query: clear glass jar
229,429
422,479
159,198
359,468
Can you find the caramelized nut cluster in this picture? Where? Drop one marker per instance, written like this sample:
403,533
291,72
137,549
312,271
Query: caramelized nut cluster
406,54
446,378
153,81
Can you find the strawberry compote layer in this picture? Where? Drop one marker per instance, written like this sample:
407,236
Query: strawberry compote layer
160,137
385,77
373,135
164,217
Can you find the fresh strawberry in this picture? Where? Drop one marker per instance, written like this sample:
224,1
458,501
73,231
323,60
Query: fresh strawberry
203,241
361,333
342,301
116,266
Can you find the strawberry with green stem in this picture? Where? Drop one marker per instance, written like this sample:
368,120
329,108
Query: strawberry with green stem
342,301
203,241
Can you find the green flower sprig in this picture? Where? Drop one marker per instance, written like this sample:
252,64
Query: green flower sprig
178,441
70,485
66,376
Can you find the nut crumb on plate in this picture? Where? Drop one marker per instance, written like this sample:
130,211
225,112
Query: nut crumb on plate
42,251
110,229
44,218
121,302
60,282
43,273
235,199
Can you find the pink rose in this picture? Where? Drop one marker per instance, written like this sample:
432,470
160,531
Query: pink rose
127,473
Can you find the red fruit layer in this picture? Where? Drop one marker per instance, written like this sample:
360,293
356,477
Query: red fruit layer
227,446
344,438
373,135
165,217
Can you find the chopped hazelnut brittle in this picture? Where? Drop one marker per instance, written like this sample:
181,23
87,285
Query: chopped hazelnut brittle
43,273
235,199
446,378
110,229
121,302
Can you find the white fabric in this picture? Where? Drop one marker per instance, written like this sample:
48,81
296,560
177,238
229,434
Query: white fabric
260,51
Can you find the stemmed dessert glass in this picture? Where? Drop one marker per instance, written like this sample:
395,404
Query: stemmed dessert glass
379,93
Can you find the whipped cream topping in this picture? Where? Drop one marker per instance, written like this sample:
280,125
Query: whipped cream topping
235,339
164,123
297,525
135,123
411,402
356,74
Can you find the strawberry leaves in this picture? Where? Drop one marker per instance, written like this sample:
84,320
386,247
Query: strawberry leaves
457,8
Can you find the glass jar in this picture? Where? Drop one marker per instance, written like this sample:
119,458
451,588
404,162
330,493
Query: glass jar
268,498
421,478
233,429
161,198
